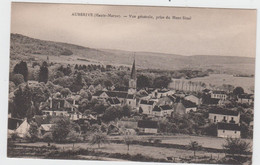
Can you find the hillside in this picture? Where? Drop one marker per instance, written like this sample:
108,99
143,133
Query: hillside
26,46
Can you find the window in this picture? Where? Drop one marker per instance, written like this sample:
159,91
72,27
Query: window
223,131
129,102
235,131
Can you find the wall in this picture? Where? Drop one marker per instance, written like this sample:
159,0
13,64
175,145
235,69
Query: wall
228,133
220,117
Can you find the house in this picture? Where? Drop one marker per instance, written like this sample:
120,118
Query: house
123,97
184,106
76,115
18,126
219,95
146,106
225,130
245,99
223,115
54,112
166,100
44,128
161,111
193,99
159,93
113,101
147,126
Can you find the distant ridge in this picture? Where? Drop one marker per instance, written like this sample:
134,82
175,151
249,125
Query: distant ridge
23,45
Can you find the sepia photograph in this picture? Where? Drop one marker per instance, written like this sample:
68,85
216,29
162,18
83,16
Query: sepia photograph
131,83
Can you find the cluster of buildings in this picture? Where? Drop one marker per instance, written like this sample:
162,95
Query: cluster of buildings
152,103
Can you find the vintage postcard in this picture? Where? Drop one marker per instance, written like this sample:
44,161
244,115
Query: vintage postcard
131,83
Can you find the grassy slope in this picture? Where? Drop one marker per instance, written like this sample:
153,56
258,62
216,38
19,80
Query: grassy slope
22,45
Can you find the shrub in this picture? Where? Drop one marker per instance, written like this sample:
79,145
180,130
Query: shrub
47,137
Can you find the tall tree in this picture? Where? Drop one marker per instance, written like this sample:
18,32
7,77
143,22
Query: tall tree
21,68
77,84
194,146
44,73
22,102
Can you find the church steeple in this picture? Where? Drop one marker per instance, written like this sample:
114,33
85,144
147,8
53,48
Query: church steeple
133,72
132,81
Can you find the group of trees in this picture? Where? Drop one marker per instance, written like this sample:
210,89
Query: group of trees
27,100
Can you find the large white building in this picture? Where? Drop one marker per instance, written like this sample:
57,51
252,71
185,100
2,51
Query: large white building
219,95
226,130
223,115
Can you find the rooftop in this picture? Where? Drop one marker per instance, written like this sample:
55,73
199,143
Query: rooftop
147,124
228,126
219,92
221,111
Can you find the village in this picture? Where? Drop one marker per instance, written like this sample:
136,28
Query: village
133,113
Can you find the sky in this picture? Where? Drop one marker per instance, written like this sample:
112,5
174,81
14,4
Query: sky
224,32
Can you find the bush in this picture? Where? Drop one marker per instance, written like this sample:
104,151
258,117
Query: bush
47,137
66,52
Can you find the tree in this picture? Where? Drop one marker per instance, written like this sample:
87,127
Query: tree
128,139
161,82
44,73
11,86
22,101
108,83
98,138
61,128
238,91
33,132
77,84
73,137
99,108
236,146
21,68
193,145
17,79
126,110
65,92
40,93
112,113
143,82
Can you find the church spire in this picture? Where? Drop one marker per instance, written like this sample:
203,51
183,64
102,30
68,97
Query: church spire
133,72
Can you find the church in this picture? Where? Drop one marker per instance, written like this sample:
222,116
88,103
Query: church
125,98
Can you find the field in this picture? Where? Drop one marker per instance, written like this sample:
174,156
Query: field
156,152
219,79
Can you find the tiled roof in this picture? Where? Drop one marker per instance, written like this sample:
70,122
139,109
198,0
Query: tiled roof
147,124
13,123
98,93
228,126
221,111
210,101
219,92
188,104
113,101
117,94
162,108
165,107
245,96
147,102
